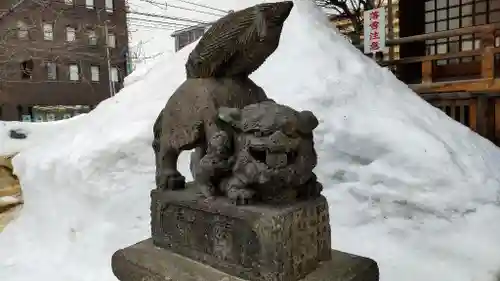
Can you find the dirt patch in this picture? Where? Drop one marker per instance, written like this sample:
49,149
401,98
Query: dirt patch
11,198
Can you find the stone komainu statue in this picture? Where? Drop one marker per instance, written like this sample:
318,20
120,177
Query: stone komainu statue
247,148
267,155
217,75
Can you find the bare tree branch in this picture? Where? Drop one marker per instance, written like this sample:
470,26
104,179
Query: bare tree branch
352,10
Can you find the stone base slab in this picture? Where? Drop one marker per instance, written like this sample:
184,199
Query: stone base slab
146,262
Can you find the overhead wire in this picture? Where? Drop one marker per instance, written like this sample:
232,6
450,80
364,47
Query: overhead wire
167,17
158,21
151,21
166,5
203,6
155,26
134,12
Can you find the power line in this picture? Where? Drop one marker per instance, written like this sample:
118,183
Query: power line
158,21
160,25
165,6
204,6
132,12
156,26
167,17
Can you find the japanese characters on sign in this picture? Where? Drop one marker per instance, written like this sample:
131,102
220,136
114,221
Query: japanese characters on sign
374,33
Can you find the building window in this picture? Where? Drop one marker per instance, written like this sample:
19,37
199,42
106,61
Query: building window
495,16
182,39
440,4
467,45
48,32
70,34
109,6
114,74
51,71
22,30
187,37
442,48
92,36
111,40
68,2
89,4
443,15
27,69
74,73
466,10
94,73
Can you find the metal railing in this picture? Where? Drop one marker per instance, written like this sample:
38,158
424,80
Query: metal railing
486,52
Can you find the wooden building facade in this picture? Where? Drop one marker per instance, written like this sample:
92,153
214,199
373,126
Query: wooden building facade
450,55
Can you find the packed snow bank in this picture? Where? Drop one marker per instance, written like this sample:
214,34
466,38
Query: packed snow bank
36,134
407,185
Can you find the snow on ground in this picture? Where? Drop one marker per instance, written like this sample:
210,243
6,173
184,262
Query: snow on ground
36,133
407,185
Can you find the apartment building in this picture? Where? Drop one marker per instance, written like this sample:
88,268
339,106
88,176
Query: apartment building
59,58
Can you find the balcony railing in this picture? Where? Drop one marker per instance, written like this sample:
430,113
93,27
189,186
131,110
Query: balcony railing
480,74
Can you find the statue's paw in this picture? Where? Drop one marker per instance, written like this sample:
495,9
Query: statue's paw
171,181
240,196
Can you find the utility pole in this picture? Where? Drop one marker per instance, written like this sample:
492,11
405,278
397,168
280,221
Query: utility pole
110,76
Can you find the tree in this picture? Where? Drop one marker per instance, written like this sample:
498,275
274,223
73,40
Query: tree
353,10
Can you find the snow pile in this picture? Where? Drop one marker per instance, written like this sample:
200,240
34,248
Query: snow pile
407,185
36,133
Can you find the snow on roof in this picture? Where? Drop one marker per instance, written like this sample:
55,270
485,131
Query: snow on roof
407,185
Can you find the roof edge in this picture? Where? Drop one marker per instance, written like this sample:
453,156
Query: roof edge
189,28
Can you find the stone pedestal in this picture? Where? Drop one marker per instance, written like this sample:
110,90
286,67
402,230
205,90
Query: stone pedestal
194,238
254,242
146,262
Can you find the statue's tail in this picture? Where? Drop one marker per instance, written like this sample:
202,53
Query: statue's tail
237,44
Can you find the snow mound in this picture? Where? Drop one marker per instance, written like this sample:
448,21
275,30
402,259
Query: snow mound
35,133
407,185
